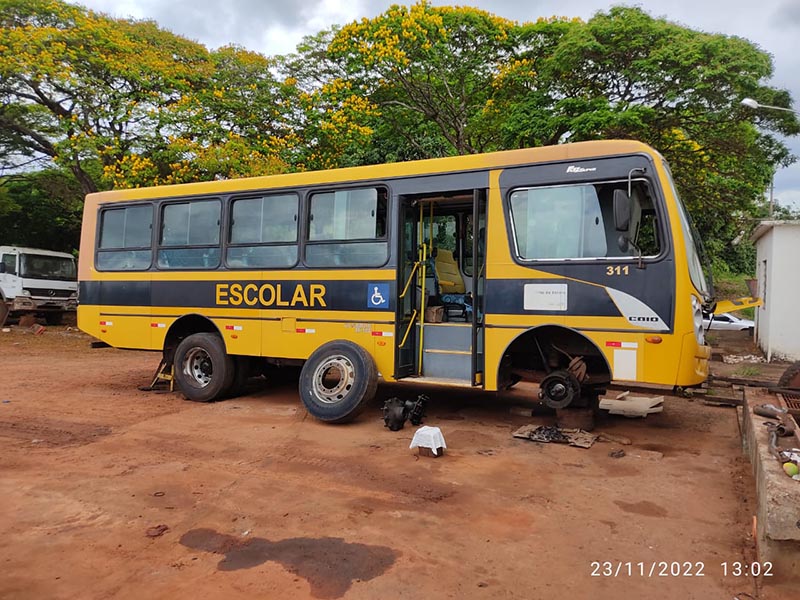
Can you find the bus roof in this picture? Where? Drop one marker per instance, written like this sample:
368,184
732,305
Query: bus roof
470,162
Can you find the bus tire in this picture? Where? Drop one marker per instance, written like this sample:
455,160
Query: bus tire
242,372
203,370
337,381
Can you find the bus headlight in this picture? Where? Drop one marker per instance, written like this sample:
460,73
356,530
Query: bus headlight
697,316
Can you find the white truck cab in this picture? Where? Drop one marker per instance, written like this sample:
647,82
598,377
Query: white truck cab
40,282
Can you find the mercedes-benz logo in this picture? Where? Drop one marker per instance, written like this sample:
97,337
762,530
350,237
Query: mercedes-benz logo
52,292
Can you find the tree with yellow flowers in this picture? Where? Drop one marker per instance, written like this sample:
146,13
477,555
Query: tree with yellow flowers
79,89
428,68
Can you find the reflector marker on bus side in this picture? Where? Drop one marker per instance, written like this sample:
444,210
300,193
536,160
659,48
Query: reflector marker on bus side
622,345
305,330
383,333
159,325
233,327
106,323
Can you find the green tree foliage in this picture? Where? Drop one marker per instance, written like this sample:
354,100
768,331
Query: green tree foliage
624,74
120,103
42,210
428,69
228,125
78,86
458,80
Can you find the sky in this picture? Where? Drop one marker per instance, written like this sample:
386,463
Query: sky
277,26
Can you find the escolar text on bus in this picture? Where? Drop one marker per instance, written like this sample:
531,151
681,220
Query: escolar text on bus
270,294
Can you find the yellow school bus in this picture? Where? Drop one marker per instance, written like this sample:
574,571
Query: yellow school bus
572,266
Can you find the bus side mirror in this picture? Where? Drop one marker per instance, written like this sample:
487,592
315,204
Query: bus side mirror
622,210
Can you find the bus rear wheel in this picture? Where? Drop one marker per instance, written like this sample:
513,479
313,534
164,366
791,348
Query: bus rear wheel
337,381
203,370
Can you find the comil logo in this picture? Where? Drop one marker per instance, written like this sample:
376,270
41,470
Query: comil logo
574,169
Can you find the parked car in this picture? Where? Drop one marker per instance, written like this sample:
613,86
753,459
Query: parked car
727,322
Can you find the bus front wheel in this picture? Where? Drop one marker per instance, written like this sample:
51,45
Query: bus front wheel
337,381
203,370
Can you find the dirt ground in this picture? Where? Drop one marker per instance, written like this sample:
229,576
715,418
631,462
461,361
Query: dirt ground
259,500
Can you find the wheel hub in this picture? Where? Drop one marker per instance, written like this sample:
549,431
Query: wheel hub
333,379
198,366
559,389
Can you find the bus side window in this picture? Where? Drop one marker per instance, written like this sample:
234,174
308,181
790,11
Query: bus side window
190,235
577,222
263,232
125,238
348,228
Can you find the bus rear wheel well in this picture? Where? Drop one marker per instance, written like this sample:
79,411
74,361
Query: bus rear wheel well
183,328
548,348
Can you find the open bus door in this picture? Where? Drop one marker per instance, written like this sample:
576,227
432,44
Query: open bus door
442,231
407,309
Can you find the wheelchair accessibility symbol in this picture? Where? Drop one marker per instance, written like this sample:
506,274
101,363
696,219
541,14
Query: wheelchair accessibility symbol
378,295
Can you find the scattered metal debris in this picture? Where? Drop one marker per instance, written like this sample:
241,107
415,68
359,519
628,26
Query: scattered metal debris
550,433
770,411
617,453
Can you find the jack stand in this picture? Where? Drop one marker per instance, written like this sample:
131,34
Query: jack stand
164,376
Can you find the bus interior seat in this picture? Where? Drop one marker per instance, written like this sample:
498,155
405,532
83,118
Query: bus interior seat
450,285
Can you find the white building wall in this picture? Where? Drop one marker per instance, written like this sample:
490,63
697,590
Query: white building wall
764,282
778,321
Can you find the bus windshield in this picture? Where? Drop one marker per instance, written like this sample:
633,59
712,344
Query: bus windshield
699,277
40,266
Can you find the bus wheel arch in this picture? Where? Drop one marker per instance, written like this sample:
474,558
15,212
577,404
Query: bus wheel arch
184,327
202,368
547,352
337,381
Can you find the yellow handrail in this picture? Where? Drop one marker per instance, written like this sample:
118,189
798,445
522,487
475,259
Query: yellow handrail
410,277
408,329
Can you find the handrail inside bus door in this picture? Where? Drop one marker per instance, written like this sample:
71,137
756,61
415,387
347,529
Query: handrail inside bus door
414,314
408,329
408,283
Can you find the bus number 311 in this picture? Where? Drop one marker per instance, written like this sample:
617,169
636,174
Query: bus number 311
618,270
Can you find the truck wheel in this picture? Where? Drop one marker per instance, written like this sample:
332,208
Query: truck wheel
337,381
203,370
3,312
54,318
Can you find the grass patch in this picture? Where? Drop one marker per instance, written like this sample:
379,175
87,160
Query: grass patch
748,371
